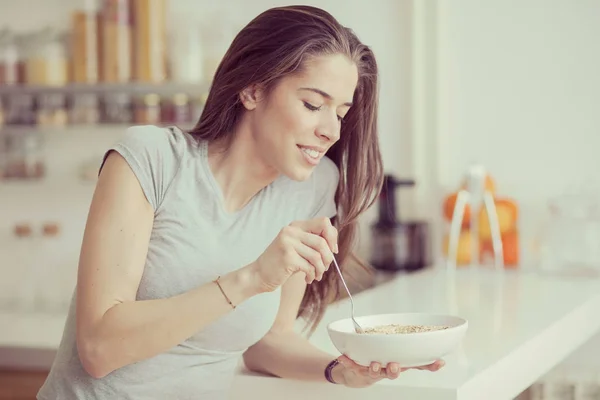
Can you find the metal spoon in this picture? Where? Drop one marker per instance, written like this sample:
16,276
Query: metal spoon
357,327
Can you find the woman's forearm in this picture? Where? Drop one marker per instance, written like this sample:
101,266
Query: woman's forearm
288,355
136,330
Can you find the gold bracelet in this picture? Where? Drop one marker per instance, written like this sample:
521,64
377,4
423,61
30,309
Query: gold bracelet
222,291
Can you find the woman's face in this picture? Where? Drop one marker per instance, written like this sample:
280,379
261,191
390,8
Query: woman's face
300,119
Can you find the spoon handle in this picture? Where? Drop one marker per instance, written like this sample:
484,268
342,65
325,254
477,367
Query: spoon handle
357,327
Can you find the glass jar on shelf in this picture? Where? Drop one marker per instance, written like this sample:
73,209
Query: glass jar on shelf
51,110
25,160
117,108
177,109
148,109
47,63
84,109
181,109
11,68
20,109
150,33
84,44
116,51
187,54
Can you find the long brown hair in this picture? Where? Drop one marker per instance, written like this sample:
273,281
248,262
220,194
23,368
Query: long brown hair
274,45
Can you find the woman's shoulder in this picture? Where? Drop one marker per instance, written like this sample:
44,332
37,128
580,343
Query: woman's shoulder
155,155
159,138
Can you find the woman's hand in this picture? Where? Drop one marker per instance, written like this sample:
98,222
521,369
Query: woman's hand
351,374
305,246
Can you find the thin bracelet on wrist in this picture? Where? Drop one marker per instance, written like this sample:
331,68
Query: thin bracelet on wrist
224,295
329,369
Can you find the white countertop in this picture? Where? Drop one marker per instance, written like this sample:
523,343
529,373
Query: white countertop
520,326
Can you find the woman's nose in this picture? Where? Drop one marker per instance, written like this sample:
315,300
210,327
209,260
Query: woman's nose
329,130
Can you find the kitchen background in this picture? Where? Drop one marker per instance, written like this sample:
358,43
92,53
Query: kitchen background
511,85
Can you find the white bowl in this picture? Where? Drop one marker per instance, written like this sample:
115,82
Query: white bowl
407,349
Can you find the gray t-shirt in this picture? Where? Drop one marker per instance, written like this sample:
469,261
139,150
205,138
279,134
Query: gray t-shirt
194,239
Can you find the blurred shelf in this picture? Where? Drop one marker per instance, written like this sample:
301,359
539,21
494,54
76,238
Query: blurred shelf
65,130
165,89
57,130
78,129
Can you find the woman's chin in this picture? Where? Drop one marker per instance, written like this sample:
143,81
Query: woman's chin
299,173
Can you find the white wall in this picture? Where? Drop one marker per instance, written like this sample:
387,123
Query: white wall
515,86
519,91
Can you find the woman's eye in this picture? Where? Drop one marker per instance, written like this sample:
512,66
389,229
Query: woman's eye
311,107
315,108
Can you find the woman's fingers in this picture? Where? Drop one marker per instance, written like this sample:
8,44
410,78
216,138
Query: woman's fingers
316,251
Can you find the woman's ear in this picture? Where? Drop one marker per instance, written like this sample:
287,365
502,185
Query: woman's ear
250,97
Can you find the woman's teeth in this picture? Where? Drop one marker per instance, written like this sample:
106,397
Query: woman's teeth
311,152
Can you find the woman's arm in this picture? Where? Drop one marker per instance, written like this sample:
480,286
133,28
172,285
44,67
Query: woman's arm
285,353
113,329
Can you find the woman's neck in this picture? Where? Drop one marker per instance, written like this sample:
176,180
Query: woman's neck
239,169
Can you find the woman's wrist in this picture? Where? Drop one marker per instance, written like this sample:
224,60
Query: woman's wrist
334,373
240,285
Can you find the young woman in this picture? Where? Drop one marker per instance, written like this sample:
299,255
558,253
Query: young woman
203,247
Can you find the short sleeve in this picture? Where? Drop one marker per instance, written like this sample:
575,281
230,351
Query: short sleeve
326,178
152,155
